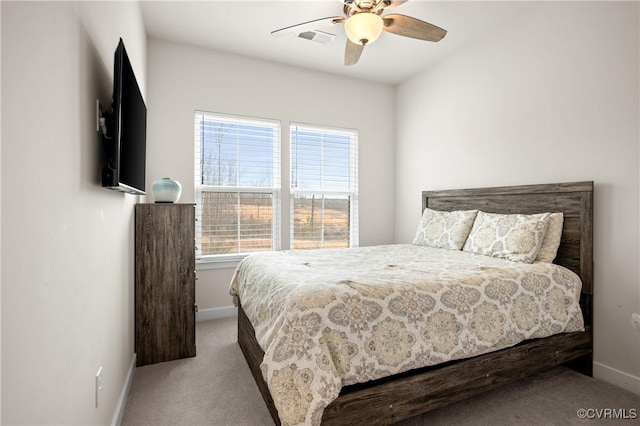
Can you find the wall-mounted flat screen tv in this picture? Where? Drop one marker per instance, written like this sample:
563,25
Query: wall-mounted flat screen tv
127,132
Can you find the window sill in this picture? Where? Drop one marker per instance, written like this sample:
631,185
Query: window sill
226,262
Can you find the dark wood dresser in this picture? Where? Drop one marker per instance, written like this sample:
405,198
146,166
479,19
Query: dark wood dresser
165,282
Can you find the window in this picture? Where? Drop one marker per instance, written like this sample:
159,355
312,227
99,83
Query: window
237,183
324,187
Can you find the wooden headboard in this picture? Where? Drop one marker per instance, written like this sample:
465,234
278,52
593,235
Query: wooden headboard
574,200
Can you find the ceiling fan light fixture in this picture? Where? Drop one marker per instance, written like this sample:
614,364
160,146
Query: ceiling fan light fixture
363,28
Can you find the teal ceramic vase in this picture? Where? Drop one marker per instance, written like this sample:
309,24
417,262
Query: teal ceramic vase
166,190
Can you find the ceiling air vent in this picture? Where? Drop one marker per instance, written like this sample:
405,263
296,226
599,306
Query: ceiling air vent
317,36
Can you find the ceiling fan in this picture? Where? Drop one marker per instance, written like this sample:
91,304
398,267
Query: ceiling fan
363,24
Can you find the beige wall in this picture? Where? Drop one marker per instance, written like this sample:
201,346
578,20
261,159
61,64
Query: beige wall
67,244
186,78
552,97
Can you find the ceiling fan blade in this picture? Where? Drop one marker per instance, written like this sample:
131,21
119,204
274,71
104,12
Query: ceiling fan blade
308,26
352,52
411,27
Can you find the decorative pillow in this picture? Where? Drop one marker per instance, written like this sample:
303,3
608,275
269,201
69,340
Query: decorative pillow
441,229
551,240
516,237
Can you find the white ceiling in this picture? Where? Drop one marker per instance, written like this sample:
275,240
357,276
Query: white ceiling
244,27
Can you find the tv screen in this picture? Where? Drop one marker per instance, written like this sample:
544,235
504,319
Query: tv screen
125,168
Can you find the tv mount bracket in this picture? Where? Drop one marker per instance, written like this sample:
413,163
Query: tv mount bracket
103,120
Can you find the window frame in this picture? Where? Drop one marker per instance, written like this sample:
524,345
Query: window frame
351,193
282,190
214,261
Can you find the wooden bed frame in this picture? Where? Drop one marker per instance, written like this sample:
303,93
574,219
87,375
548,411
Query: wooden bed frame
398,397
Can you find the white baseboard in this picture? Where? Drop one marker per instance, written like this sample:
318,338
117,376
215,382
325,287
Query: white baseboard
616,377
122,401
215,313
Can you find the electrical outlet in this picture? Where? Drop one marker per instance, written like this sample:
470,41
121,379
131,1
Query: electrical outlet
98,385
635,320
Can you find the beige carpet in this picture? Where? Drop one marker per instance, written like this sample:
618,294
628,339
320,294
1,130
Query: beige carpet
216,388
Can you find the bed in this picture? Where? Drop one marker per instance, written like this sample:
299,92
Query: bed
406,393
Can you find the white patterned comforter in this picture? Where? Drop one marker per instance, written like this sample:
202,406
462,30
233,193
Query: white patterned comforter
331,318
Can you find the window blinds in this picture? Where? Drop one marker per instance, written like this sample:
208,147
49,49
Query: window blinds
324,187
237,181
